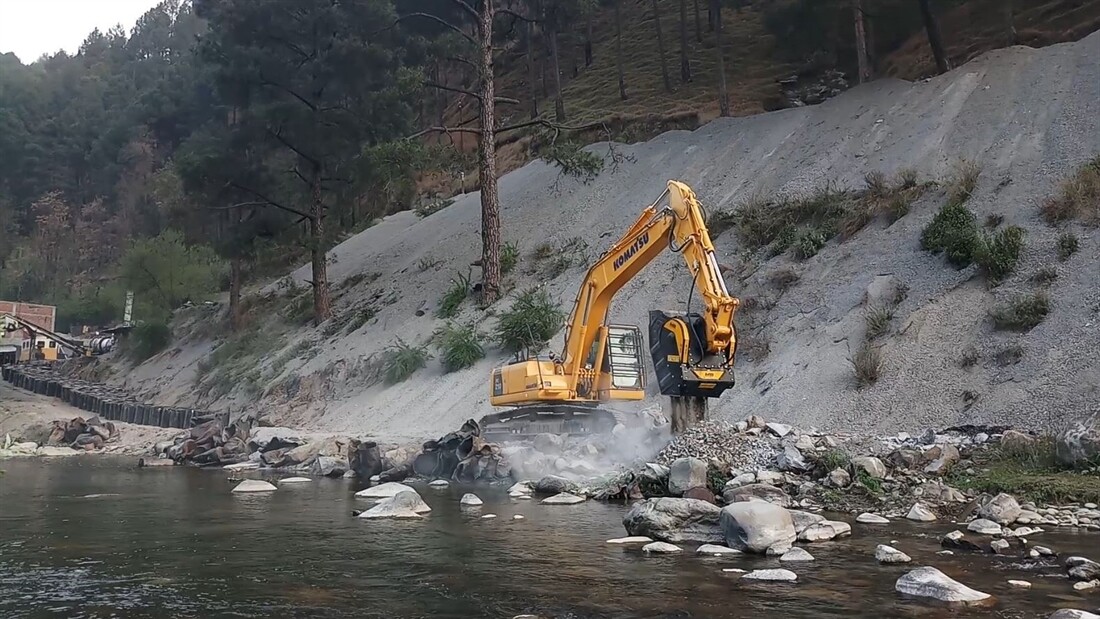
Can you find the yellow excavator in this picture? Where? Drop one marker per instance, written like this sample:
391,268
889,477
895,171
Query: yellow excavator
693,352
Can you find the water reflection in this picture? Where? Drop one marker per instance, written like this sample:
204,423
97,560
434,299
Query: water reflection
177,543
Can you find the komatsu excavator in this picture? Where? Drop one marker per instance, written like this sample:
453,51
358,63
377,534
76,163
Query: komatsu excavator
693,352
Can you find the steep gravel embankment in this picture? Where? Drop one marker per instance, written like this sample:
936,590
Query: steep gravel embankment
1028,117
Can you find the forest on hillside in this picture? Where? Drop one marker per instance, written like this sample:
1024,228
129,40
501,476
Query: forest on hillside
218,142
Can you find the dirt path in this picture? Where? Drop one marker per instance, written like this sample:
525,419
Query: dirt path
23,412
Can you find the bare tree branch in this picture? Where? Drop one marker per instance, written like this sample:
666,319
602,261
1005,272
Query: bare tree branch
438,20
466,7
284,142
266,82
447,130
268,201
470,93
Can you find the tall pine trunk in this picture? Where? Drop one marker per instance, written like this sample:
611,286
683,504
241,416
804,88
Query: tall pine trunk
661,47
588,39
529,34
861,42
559,103
723,96
698,23
619,49
685,65
935,40
487,164
318,258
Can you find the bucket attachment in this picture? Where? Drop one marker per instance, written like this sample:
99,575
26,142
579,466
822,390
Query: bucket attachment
680,360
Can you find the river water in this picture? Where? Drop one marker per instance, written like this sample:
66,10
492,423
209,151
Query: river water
98,537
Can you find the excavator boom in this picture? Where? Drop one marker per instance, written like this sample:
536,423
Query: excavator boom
693,352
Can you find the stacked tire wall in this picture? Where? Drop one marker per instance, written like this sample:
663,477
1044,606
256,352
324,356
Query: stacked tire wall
108,402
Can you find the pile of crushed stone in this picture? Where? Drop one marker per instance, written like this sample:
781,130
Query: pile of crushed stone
726,444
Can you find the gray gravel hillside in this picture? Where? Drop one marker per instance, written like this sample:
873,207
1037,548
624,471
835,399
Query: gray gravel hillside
1028,117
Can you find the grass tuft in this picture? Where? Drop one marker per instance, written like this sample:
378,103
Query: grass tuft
1067,246
455,295
963,182
530,322
1078,197
1022,313
509,257
867,363
401,360
952,231
1045,276
809,243
996,254
878,320
459,346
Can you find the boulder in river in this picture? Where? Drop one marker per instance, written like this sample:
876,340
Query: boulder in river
984,527
1002,509
470,500
804,519
383,491
889,554
869,518
404,504
553,484
824,531
763,492
329,466
1081,568
999,546
1070,613
928,582
660,547
674,520
254,485
920,513
771,576
755,525
439,483
685,474
564,498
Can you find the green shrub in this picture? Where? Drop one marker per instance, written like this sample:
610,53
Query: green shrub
459,345
834,459
455,295
509,257
1078,197
996,254
424,209
530,322
400,361
1067,246
572,160
149,338
953,231
1022,313
873,484
809,243
783,241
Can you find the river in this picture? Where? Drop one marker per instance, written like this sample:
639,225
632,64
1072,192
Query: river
98,537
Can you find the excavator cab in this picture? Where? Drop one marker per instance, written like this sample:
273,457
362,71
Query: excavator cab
680,359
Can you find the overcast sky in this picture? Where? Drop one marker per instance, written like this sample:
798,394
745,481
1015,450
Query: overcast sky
31,28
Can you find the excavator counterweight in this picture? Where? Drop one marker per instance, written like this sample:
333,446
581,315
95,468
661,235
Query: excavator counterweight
693,353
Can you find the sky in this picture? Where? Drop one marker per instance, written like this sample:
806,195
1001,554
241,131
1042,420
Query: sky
30,28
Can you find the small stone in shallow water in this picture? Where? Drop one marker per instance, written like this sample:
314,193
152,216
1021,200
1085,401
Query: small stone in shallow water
383,491
633,539
471,500
715,550
733,570
295,480
999,545
868,518
945,553
517,517
488,516
254,485
931,583
660,547
1086,585
1069,613
439,483
1020,584
771,575
795,555
920,513
984,527
889,554
1043,550
563,498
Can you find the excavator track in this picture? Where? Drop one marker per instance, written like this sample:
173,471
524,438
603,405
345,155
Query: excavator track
524,422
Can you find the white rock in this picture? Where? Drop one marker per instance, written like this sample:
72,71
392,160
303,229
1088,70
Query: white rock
439,483
771,575
889,554
984,527
733,570
517,517
242,466
715,550
254,485
1043,550
1020,584
406,504
796,555
519,495
563,498
931,583
920,513
999,545
825,531
488,516
383,491
945,553
521,486
294,480
660,547
778,429
1070,613
1086,585
869,518
470,500
633,539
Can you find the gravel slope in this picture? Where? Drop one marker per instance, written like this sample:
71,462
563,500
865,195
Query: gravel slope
1029,117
